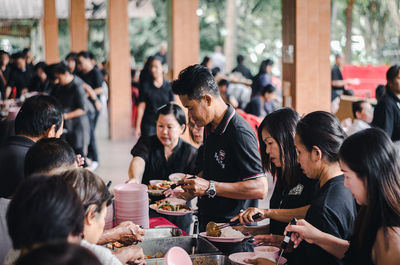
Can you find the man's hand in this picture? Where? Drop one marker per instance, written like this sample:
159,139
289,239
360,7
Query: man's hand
129,232
80,160
246,217
196,186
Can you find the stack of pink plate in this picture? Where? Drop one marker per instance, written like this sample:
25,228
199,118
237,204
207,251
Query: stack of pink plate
109,217
132,204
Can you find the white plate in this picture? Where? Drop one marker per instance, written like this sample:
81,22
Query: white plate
223,239
176,177
173,202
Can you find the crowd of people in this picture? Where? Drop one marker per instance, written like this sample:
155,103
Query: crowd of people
342,183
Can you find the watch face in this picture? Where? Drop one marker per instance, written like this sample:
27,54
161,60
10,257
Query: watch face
211,192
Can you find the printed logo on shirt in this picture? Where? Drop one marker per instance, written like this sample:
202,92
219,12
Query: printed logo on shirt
220,157
297,190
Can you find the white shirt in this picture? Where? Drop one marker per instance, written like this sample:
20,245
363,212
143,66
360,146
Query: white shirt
5,242
358,125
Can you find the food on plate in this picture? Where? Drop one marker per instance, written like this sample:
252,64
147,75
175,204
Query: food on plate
165,184
204,261
167,206
156,256
114,245
212,229
154,187
230,232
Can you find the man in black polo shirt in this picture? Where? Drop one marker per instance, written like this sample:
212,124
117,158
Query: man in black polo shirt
20,76
231,167
39,117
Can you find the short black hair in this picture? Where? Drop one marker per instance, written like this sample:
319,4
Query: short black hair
321,129
240,59
206,59
60,253
37,115
174,109
44,209
26,50
379,91
72,55
84,54
40,65
194,81
268,89
223,82
48,154
61,68
18,55
357,107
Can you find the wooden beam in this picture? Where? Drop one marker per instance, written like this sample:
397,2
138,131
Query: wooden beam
50,31
78,26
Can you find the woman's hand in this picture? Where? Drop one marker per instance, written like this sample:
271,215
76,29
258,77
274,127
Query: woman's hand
246,216
268,240
131,255
303,231
260,261
129,232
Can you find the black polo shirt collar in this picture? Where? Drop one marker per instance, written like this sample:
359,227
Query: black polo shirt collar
392,95
224,123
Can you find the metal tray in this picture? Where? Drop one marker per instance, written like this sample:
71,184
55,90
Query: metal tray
207,259
152,233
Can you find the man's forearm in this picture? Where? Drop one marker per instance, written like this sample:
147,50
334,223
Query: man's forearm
286,215
248,189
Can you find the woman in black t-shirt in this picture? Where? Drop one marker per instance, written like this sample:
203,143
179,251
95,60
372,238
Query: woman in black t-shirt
278,154
158,156
371,167
154,92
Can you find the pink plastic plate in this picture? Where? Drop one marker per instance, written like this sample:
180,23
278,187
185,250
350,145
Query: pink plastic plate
174,213
223,239
177,256
239,258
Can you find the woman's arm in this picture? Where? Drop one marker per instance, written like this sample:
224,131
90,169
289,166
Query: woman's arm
305,231
387,251
286,215
139,116
136,169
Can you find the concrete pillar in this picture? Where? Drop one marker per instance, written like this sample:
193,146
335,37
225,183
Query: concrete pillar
78,27
120,104
183,35
50,31
306,76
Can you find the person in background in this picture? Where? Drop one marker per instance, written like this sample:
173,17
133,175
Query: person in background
335,102
196,133
72,62
60,253
293,191
263,78
93,79
241,68
95,198
263,104
72,97
223,86
154,93
371,165
338,84
164,153
162,53
218,59
363,114
39,117
20,77
4,71
207,62
30,62
379,91
231,175
39,81
387,111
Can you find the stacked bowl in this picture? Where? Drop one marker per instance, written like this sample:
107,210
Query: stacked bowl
109,217
132,204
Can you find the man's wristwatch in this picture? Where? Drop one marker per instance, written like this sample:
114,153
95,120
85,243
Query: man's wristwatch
211,192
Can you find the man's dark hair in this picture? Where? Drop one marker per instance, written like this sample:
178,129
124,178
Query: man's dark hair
40,65
37,115
43,210
91,55
72,55
223,82
379,91
25,51
268,89
84,54
195,81
240,59
48,154
60,253
61,68
357,107
50,71
18,55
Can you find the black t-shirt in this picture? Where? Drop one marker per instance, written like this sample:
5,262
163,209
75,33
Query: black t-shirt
182,160
37,85
154,98
285,197
387,115
19,79
336,74
12,160
333,211
93,78
6,74
230,155
254,106
243,70
72,97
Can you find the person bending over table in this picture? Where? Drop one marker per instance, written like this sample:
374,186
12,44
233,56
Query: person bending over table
158,156
231,167
293,191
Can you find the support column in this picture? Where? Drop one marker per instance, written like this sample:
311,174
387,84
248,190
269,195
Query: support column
78,26
305,55
183,35
120,104
50,31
